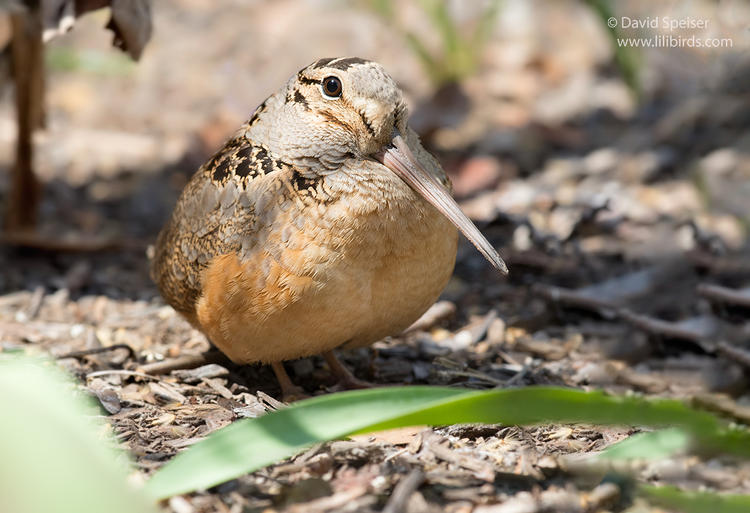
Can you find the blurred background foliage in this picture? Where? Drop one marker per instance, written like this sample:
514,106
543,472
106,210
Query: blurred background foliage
462,46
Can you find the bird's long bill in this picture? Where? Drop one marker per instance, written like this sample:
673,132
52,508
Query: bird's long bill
399,158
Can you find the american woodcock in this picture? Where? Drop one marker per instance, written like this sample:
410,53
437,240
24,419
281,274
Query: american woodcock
323,223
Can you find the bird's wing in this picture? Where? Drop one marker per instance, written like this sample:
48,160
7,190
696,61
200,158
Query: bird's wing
220,211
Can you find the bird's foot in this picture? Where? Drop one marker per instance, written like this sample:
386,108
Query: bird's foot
346,380
289,391
353,383
293,394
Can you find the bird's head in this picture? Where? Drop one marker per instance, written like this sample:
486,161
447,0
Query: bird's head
349,108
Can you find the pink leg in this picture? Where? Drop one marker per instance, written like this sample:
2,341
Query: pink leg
344,375
289,391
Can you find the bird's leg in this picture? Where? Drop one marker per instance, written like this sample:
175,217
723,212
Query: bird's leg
344,375
289,391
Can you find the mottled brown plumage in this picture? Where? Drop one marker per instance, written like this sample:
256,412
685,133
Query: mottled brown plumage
304,233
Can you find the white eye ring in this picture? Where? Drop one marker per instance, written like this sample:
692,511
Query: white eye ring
331,88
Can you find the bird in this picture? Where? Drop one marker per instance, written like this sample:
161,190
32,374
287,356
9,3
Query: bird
321,224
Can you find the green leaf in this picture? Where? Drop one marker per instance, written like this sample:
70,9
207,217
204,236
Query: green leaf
383,8
695,502
55,458
64,58
648,446
625,57
486,23
251,444
437,12
461,47
433,68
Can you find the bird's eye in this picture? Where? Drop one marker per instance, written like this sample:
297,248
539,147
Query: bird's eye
331,87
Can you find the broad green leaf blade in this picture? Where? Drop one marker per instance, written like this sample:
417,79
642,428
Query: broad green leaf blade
648,446
54,457
251,444
695,502
535,405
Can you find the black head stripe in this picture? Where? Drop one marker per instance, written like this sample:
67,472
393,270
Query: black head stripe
344,64
300,98
321,63
305,80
